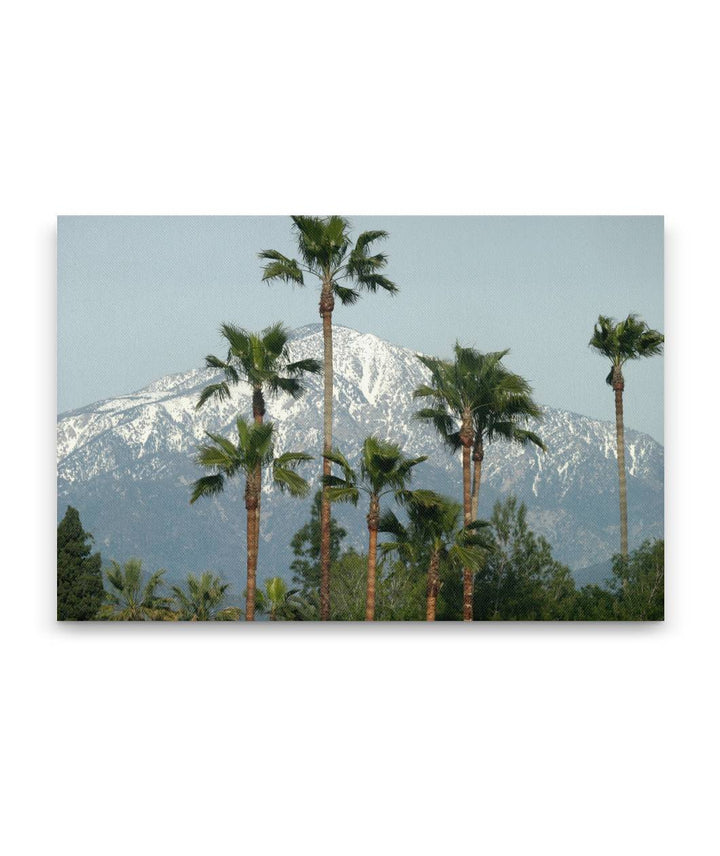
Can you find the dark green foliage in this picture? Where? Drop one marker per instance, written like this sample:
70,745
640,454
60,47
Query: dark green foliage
497,400
133,596
636,591
203,599
621,341
254,449
594,603
639,583
401,592
433,528
327,252
79,576
383,469
521,581
348,589
306,547
347,595
261,359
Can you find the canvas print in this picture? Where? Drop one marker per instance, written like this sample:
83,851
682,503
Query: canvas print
346,418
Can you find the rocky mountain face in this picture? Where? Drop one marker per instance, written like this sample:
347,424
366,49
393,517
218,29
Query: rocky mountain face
127,464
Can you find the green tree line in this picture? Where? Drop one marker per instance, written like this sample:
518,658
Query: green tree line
418,576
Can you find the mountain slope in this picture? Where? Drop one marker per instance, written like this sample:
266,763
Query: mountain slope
126,464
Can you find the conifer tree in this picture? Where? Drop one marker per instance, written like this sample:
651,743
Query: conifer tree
79,578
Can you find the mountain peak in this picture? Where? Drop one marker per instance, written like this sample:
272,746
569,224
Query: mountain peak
131,458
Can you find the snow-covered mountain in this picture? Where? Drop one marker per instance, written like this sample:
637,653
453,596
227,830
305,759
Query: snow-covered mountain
127,463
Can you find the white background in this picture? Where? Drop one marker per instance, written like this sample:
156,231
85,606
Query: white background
345,740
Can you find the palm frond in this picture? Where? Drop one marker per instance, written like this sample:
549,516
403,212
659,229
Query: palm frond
289,385
466,557
292,458
280,267
425,391
337,457
444,424
207,486
372,281
288,480
274,340
219,391
348,296
256,442
322,241
342,493
223,444
522,436
215,458
391,525
309,366
213,362
237,338
366,238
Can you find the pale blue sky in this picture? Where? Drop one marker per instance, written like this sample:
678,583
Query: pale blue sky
141,297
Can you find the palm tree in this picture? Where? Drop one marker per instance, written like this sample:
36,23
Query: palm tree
202,600
383,470
433,533
262,360
475,400
328,254
253,452
619,342
133,598
276,592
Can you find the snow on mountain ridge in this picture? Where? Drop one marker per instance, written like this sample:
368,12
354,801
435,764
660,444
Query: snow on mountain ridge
152,434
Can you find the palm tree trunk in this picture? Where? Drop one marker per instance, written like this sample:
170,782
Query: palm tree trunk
373,521
433,586
619,386
478,455
466,438
258,404
327,304
252,546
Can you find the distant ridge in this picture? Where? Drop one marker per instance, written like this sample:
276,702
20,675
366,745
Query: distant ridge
126,464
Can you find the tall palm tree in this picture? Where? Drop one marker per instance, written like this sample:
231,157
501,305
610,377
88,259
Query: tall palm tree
132,597
327,254
253,452
383,470
262,360
619,342
433,532
202,599
475,400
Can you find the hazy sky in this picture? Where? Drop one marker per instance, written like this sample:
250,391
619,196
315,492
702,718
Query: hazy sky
141,297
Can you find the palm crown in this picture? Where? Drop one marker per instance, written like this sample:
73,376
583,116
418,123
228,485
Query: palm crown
624,340
255,449
202,599
132,596
479,388
383,469
261,359
433,522
327,252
